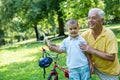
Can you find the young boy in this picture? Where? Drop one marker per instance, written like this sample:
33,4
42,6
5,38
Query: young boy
77,61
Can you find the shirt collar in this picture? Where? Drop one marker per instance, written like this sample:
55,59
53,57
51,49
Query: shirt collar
102,33
71,38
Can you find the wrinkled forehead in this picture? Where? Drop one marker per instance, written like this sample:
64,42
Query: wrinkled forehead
93,13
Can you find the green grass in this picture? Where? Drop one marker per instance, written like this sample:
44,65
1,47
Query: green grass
20,61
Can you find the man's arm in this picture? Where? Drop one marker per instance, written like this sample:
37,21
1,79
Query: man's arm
90,63
104,55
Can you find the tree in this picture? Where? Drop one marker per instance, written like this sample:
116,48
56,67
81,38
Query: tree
43,15
112,9
55,7
2,41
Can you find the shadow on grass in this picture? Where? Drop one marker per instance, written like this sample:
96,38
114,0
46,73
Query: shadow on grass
26,45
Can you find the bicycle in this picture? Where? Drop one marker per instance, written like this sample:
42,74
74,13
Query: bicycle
47,62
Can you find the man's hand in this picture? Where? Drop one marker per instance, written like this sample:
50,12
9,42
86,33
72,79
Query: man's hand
84,47
91,69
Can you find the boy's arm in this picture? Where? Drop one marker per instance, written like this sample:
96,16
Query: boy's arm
55,48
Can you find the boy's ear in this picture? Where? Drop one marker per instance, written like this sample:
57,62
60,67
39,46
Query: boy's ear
67,29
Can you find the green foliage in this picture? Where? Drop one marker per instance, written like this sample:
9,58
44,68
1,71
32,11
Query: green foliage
112,9
80,8
50,15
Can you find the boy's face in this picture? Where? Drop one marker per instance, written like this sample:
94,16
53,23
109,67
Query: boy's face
73,30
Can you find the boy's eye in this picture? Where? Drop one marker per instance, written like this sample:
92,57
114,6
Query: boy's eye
73,28
70,28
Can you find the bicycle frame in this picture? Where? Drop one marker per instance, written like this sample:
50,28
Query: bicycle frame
54,72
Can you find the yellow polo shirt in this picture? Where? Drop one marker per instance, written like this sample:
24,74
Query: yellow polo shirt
105,42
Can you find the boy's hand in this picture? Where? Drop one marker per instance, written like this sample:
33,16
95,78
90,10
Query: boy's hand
52,47
47,42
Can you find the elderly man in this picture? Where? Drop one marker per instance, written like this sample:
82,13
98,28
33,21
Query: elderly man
102,46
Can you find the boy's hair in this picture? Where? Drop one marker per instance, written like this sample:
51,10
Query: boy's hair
71,22
100,12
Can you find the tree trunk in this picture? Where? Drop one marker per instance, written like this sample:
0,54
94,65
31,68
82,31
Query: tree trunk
60,23
2,41
36,31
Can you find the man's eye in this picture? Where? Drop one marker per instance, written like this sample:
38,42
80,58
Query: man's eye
91,18
94,17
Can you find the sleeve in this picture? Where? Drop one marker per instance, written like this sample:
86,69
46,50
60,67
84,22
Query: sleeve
83,41
63,47
112,44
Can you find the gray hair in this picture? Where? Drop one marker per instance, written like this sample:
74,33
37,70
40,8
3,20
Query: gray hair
100,12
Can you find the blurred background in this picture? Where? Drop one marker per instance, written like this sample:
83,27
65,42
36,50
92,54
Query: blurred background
26,19
22,23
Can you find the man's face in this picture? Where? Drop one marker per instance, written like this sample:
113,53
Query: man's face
94,21
73,30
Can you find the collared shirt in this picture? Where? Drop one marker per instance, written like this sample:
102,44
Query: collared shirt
105,42
75,56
